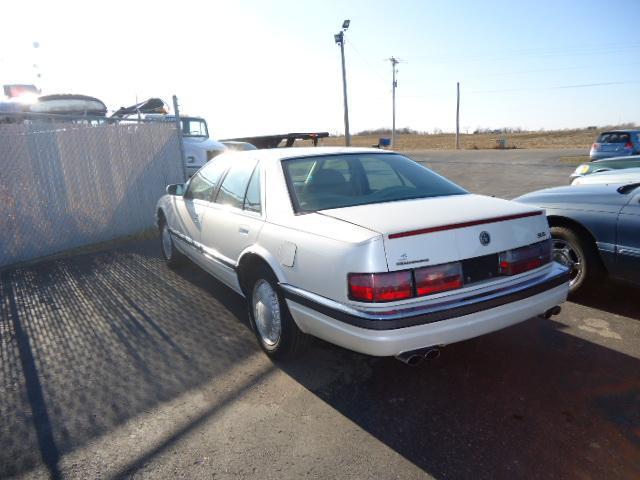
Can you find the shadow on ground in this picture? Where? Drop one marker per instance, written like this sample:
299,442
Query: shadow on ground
526,402
88,342
613,297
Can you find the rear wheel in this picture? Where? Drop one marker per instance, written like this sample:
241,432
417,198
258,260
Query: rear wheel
170,253
275,329
579,255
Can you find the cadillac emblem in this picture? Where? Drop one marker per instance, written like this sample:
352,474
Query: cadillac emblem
485,238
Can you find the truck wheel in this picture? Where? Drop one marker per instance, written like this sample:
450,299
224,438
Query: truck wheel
579,255
275,329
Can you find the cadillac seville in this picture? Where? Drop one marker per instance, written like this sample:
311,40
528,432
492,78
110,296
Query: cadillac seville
363,248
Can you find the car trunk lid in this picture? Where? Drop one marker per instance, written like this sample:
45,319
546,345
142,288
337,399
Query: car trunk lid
437,230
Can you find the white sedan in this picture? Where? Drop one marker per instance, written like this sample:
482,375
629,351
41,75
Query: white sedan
363,248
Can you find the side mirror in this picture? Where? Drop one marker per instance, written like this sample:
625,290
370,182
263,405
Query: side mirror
175,189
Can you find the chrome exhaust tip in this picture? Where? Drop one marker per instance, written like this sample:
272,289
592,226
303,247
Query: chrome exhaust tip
432,354
416,357
552,311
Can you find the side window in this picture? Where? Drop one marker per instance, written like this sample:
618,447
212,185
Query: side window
234,185
204,182
252,200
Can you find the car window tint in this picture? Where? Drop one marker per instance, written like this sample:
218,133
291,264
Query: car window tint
380,175
614,137
204,182
389,177
234,185
340,165
252,200
299,172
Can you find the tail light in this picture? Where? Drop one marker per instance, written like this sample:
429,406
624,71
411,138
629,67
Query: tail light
392,286
526,258
595,146
380,287
628,145
438,278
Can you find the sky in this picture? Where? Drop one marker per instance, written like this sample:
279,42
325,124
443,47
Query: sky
255,67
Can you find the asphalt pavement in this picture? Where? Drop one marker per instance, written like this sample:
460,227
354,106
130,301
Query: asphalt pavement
503,173
114,366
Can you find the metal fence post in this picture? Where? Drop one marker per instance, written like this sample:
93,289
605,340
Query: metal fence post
176,112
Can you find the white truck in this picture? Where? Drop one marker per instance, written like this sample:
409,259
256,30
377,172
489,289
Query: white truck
199,148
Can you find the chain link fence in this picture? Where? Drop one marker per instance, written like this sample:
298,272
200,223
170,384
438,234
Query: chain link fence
70,184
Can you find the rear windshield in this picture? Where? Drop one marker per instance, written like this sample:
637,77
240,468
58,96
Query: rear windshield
335,181
614,137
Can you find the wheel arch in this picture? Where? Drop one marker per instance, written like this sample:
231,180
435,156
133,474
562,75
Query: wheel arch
160,215
579,228
251,258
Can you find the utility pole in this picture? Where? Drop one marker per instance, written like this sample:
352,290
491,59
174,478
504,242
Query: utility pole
458,116
176,112
339,39
394,61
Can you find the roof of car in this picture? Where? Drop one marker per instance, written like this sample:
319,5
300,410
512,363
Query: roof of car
632,130
297,152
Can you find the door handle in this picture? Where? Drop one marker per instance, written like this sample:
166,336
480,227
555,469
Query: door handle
243,229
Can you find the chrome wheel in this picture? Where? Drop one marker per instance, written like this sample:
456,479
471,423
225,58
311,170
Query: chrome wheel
167,246
569,256
266,312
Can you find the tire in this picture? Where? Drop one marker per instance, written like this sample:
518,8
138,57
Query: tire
172,256
272,323
580,255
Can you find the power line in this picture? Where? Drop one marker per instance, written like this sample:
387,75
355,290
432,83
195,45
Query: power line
541,53
555,69
371,67
558,87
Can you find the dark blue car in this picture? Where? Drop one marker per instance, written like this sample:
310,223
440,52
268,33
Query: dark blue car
595,230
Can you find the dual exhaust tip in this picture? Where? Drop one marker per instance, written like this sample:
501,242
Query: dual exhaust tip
416,357
552,311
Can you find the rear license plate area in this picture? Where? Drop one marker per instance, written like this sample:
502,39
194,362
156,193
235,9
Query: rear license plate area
480,268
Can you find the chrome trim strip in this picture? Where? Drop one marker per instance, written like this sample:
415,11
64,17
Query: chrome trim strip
606,247
399,313
218,257
204,250
631,251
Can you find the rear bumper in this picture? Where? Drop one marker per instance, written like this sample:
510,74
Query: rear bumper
600,155
391,333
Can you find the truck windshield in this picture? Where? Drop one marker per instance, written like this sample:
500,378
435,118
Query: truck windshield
194,127
336,181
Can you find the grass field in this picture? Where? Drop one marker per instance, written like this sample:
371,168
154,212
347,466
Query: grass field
582,138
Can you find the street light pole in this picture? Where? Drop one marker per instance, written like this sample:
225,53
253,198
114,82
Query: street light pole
339,39
394,61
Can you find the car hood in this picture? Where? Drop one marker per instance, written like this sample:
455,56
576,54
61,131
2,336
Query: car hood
628,175
616,163
599,198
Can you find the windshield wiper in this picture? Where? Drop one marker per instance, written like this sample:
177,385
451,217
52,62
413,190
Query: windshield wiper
628,188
